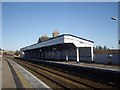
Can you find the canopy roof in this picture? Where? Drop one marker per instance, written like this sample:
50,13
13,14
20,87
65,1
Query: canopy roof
65,38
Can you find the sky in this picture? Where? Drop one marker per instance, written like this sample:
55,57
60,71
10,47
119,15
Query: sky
0,24
60,0
24,22
119,24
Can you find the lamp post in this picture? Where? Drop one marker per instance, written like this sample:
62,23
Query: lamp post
113,18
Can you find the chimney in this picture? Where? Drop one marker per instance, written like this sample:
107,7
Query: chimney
55,33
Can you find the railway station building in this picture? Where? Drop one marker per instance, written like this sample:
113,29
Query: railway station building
61,47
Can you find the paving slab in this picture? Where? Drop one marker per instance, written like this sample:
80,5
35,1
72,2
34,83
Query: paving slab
33,80
23,81
0,73
7,77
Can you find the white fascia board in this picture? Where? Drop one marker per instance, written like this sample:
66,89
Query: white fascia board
77,41
45,43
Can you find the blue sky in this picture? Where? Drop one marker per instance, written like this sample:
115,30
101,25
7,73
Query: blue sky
23,23
60,0
0,24
119,24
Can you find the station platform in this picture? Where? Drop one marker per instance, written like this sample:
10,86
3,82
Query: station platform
15,76
93,65
0,73
85,64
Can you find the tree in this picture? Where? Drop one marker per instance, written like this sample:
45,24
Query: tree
43,38
105,48
99,48
17,53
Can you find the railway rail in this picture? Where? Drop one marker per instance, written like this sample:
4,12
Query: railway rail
61,79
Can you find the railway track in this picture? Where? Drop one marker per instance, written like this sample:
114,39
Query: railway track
64,80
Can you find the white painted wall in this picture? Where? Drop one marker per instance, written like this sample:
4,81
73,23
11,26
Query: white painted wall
77,41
